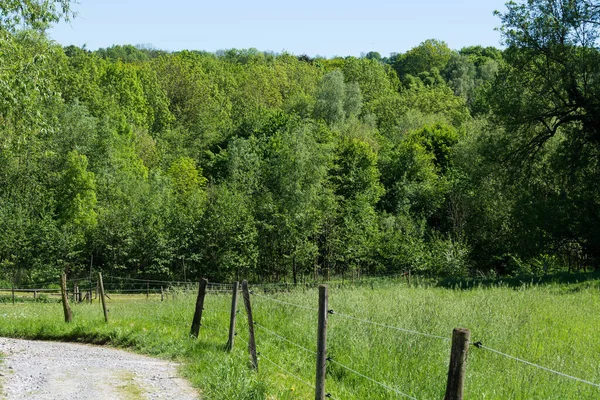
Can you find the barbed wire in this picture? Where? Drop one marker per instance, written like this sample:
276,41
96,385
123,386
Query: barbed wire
179,283
285,302
372,380
480,345
27,290
38,284
108,277
365,321
285,339
283,369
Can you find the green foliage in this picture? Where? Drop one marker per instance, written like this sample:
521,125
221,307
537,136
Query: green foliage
36,14
76,193
432,54
331,97
245,163
186,177
227,242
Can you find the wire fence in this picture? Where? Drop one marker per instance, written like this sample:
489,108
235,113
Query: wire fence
395,328
481,346
126,285
404,331
329,359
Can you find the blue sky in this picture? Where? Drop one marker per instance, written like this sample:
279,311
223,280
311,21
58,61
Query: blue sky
326,27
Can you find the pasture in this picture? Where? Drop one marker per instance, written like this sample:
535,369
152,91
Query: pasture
386,340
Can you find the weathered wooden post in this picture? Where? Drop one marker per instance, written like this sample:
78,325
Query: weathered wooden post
162,294
197,321
321,344
458,359
147,289
65,299
12,289
101,287
251,341
232,317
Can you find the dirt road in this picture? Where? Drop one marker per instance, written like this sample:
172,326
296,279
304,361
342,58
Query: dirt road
37,370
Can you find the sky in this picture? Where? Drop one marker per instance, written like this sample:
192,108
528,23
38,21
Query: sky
314,27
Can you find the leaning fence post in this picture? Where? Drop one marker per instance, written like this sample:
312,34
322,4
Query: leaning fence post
458,359
251,341
321,344
65,300
101,287
234,297
199,307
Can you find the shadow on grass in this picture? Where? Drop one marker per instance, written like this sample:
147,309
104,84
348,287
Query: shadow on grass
587,279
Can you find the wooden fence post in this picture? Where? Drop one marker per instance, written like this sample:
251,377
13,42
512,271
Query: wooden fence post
147,289
101,287
199,307
12,289
65,300
234,297
91,290
458,359
251,341
162,294
321,344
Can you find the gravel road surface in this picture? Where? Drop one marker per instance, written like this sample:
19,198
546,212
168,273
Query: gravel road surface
36,370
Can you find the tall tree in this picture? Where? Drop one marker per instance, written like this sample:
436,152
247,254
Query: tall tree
552,77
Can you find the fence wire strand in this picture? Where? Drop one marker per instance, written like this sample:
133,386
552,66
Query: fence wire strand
286,371
481,346
285,302
285,339
390,326
373,380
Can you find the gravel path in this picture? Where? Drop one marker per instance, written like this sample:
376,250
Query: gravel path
37,370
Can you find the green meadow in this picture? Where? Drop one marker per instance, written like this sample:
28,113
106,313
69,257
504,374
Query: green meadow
552,325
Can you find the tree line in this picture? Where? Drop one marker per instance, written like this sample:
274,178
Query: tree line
243,164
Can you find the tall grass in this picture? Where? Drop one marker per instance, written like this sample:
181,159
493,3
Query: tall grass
554,325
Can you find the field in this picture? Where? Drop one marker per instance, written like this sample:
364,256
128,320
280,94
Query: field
553,325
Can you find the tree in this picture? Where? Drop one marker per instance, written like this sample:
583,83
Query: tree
337,100
356,180
36,14
427,56
547,97
373,55
552,77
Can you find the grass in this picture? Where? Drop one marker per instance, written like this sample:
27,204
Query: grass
553,325
128,388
